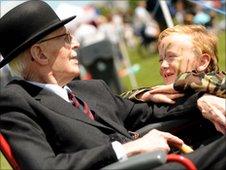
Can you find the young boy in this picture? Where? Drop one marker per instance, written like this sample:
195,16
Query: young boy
188,59
188,63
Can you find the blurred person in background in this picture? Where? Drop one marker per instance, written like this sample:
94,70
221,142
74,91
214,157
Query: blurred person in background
129,36
188,65
141,17
153,7
87,34
202,17
145,26
100,52
111,28
180,11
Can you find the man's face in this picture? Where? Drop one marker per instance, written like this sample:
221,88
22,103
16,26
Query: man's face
176,56
62,56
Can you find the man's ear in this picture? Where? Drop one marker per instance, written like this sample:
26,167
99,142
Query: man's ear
38,55
204,61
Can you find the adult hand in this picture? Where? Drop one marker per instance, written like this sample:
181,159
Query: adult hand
161,94
152,141
167,88
213,108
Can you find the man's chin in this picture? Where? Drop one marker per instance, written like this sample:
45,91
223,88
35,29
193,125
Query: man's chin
76,75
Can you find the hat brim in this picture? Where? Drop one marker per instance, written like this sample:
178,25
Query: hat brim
33,39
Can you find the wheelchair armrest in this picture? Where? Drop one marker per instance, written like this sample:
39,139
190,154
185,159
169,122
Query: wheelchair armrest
143,161
165,126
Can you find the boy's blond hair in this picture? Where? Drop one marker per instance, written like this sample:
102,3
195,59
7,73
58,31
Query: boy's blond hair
204,41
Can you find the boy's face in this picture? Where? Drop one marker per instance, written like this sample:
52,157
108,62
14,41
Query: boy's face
177,56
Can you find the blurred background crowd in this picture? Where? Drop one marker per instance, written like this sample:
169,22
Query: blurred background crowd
118,38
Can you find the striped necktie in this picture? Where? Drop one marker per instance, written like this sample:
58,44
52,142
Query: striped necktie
80,104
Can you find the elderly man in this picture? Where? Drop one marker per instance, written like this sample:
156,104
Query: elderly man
51,123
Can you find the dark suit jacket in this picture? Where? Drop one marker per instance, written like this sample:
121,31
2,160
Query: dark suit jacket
46,132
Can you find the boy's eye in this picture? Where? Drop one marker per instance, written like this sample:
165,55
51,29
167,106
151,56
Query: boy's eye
170,57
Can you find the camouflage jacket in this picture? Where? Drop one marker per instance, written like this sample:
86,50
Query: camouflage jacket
212,83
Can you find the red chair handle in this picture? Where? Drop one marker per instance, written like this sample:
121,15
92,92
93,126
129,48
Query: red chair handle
181,159
6,150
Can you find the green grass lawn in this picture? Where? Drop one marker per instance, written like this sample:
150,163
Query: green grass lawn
3,163
222,51
148,75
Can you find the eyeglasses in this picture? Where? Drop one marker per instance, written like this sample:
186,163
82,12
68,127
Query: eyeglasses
67,39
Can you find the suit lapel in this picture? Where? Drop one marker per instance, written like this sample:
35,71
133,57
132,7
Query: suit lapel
93,106
59,105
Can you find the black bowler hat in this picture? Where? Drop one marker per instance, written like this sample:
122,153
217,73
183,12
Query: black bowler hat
24,25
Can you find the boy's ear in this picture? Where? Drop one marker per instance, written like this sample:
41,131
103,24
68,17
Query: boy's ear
204,61
38,55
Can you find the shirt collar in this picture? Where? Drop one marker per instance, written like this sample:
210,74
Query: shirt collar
56,89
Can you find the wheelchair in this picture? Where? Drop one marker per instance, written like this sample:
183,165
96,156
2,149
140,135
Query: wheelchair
143,161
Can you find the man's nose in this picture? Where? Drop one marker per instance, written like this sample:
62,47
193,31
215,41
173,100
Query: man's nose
74,42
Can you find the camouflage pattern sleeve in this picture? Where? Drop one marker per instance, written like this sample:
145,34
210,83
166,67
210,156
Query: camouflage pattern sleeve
132,94
212,83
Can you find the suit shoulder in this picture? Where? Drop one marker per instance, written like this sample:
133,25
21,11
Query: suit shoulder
12,88
87,83
15,92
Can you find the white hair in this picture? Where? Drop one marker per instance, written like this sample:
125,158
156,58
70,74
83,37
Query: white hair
19,64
